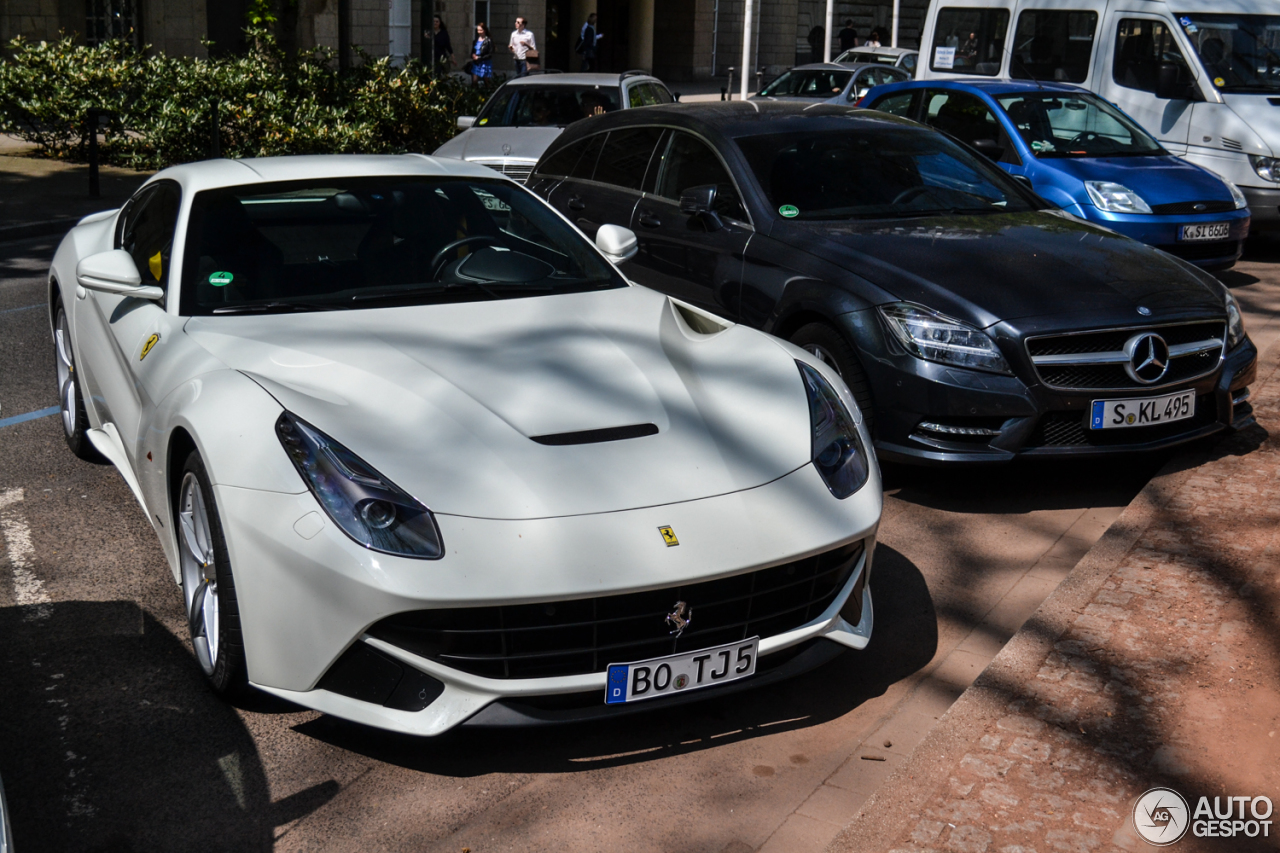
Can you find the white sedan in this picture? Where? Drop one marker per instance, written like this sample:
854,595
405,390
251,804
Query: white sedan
419,455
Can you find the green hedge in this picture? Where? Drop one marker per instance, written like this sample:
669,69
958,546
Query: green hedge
268,103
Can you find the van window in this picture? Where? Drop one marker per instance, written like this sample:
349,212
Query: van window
1053,45
969,40
1241,53
1141,45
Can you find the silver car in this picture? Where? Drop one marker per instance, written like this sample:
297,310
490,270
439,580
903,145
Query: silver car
829,82
898,57
522,118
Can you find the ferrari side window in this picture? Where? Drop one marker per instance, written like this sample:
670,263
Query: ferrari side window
148,230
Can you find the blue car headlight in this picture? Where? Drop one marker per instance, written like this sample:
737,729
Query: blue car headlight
838,453
369,508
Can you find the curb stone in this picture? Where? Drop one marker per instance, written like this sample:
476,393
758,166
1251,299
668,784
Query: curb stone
901,799
48,227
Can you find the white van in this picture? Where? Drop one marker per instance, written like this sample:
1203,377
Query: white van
1203,76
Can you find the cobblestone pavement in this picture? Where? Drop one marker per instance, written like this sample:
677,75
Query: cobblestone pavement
1157,663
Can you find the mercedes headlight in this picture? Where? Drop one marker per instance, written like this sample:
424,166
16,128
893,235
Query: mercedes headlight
1236,195
1235,322
1268,168
838,453
368,508
1115,198
936,337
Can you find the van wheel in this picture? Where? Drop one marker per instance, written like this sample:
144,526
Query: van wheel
829,346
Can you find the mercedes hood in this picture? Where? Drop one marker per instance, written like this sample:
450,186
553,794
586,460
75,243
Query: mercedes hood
480,409
497,143
984,269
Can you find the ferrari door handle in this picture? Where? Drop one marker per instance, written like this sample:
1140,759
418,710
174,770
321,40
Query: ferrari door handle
648,220
576,203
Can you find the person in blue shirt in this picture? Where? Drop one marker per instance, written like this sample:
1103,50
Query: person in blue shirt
481,54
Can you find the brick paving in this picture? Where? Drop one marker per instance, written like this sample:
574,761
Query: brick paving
1157,663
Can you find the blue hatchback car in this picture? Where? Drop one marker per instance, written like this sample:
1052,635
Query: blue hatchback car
1083,154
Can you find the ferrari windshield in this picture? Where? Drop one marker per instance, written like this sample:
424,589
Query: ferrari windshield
1054,124
1241,53
369,242
808,83
547,106
881,173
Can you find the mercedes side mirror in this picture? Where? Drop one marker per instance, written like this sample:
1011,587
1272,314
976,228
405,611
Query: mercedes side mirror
466,122
115,272
617,243
698,203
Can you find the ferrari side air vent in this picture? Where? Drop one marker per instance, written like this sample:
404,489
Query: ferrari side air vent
596,436
701,322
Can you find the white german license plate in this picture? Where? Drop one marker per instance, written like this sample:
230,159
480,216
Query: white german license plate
1142,411
648,679
1205,231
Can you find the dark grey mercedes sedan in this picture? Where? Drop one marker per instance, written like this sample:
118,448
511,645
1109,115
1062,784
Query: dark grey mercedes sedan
972,320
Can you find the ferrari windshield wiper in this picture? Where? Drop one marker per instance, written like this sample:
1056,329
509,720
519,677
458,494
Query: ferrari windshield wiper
264,307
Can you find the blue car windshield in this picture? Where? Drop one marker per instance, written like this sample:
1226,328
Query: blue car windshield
1240,52
880,173
1056,124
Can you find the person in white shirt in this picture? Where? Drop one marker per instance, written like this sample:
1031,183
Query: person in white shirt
521,43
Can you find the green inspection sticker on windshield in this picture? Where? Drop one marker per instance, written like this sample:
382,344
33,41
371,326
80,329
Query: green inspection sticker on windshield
789,210
220,279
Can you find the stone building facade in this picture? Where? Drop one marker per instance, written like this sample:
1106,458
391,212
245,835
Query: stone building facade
676,39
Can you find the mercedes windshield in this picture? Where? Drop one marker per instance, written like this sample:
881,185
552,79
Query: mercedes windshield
1240,53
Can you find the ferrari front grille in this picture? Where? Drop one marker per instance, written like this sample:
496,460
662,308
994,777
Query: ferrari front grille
586,635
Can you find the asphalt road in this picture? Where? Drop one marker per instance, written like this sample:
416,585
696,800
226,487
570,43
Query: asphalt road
110,742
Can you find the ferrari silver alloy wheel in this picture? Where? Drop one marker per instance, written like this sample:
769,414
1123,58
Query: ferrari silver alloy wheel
821,354
199,576
66,374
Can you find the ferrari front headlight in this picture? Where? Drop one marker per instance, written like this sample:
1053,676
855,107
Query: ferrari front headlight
837,449
936,337
1235,322
365,505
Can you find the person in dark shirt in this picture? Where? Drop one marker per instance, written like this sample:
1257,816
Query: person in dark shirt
848,36
441,49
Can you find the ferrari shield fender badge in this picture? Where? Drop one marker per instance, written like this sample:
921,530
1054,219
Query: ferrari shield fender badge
668,535
679,618
146,348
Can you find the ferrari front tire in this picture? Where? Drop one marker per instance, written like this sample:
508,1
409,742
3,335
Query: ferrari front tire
208,587
75,419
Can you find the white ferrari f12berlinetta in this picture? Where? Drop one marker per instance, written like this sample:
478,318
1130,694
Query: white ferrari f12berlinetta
419,455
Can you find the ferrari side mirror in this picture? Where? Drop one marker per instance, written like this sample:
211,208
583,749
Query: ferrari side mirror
115,272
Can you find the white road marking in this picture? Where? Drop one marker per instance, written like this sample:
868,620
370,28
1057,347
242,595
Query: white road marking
28,590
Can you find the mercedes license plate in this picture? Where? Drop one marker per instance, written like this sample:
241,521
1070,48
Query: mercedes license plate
1142,411
649,679
1204,231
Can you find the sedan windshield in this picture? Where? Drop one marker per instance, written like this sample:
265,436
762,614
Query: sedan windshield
810,83
883,173
546,106
368,242
1076,125
1241,53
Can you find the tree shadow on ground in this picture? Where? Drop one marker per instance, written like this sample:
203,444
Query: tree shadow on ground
904,641
114,744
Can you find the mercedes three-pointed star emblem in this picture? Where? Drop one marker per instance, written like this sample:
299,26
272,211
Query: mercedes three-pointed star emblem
1148,358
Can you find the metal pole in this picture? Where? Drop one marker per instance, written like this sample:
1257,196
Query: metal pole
92,121
746,46
215,133
715,35
893,34
831,11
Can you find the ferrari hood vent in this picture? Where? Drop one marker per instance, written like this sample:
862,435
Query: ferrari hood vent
596,436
